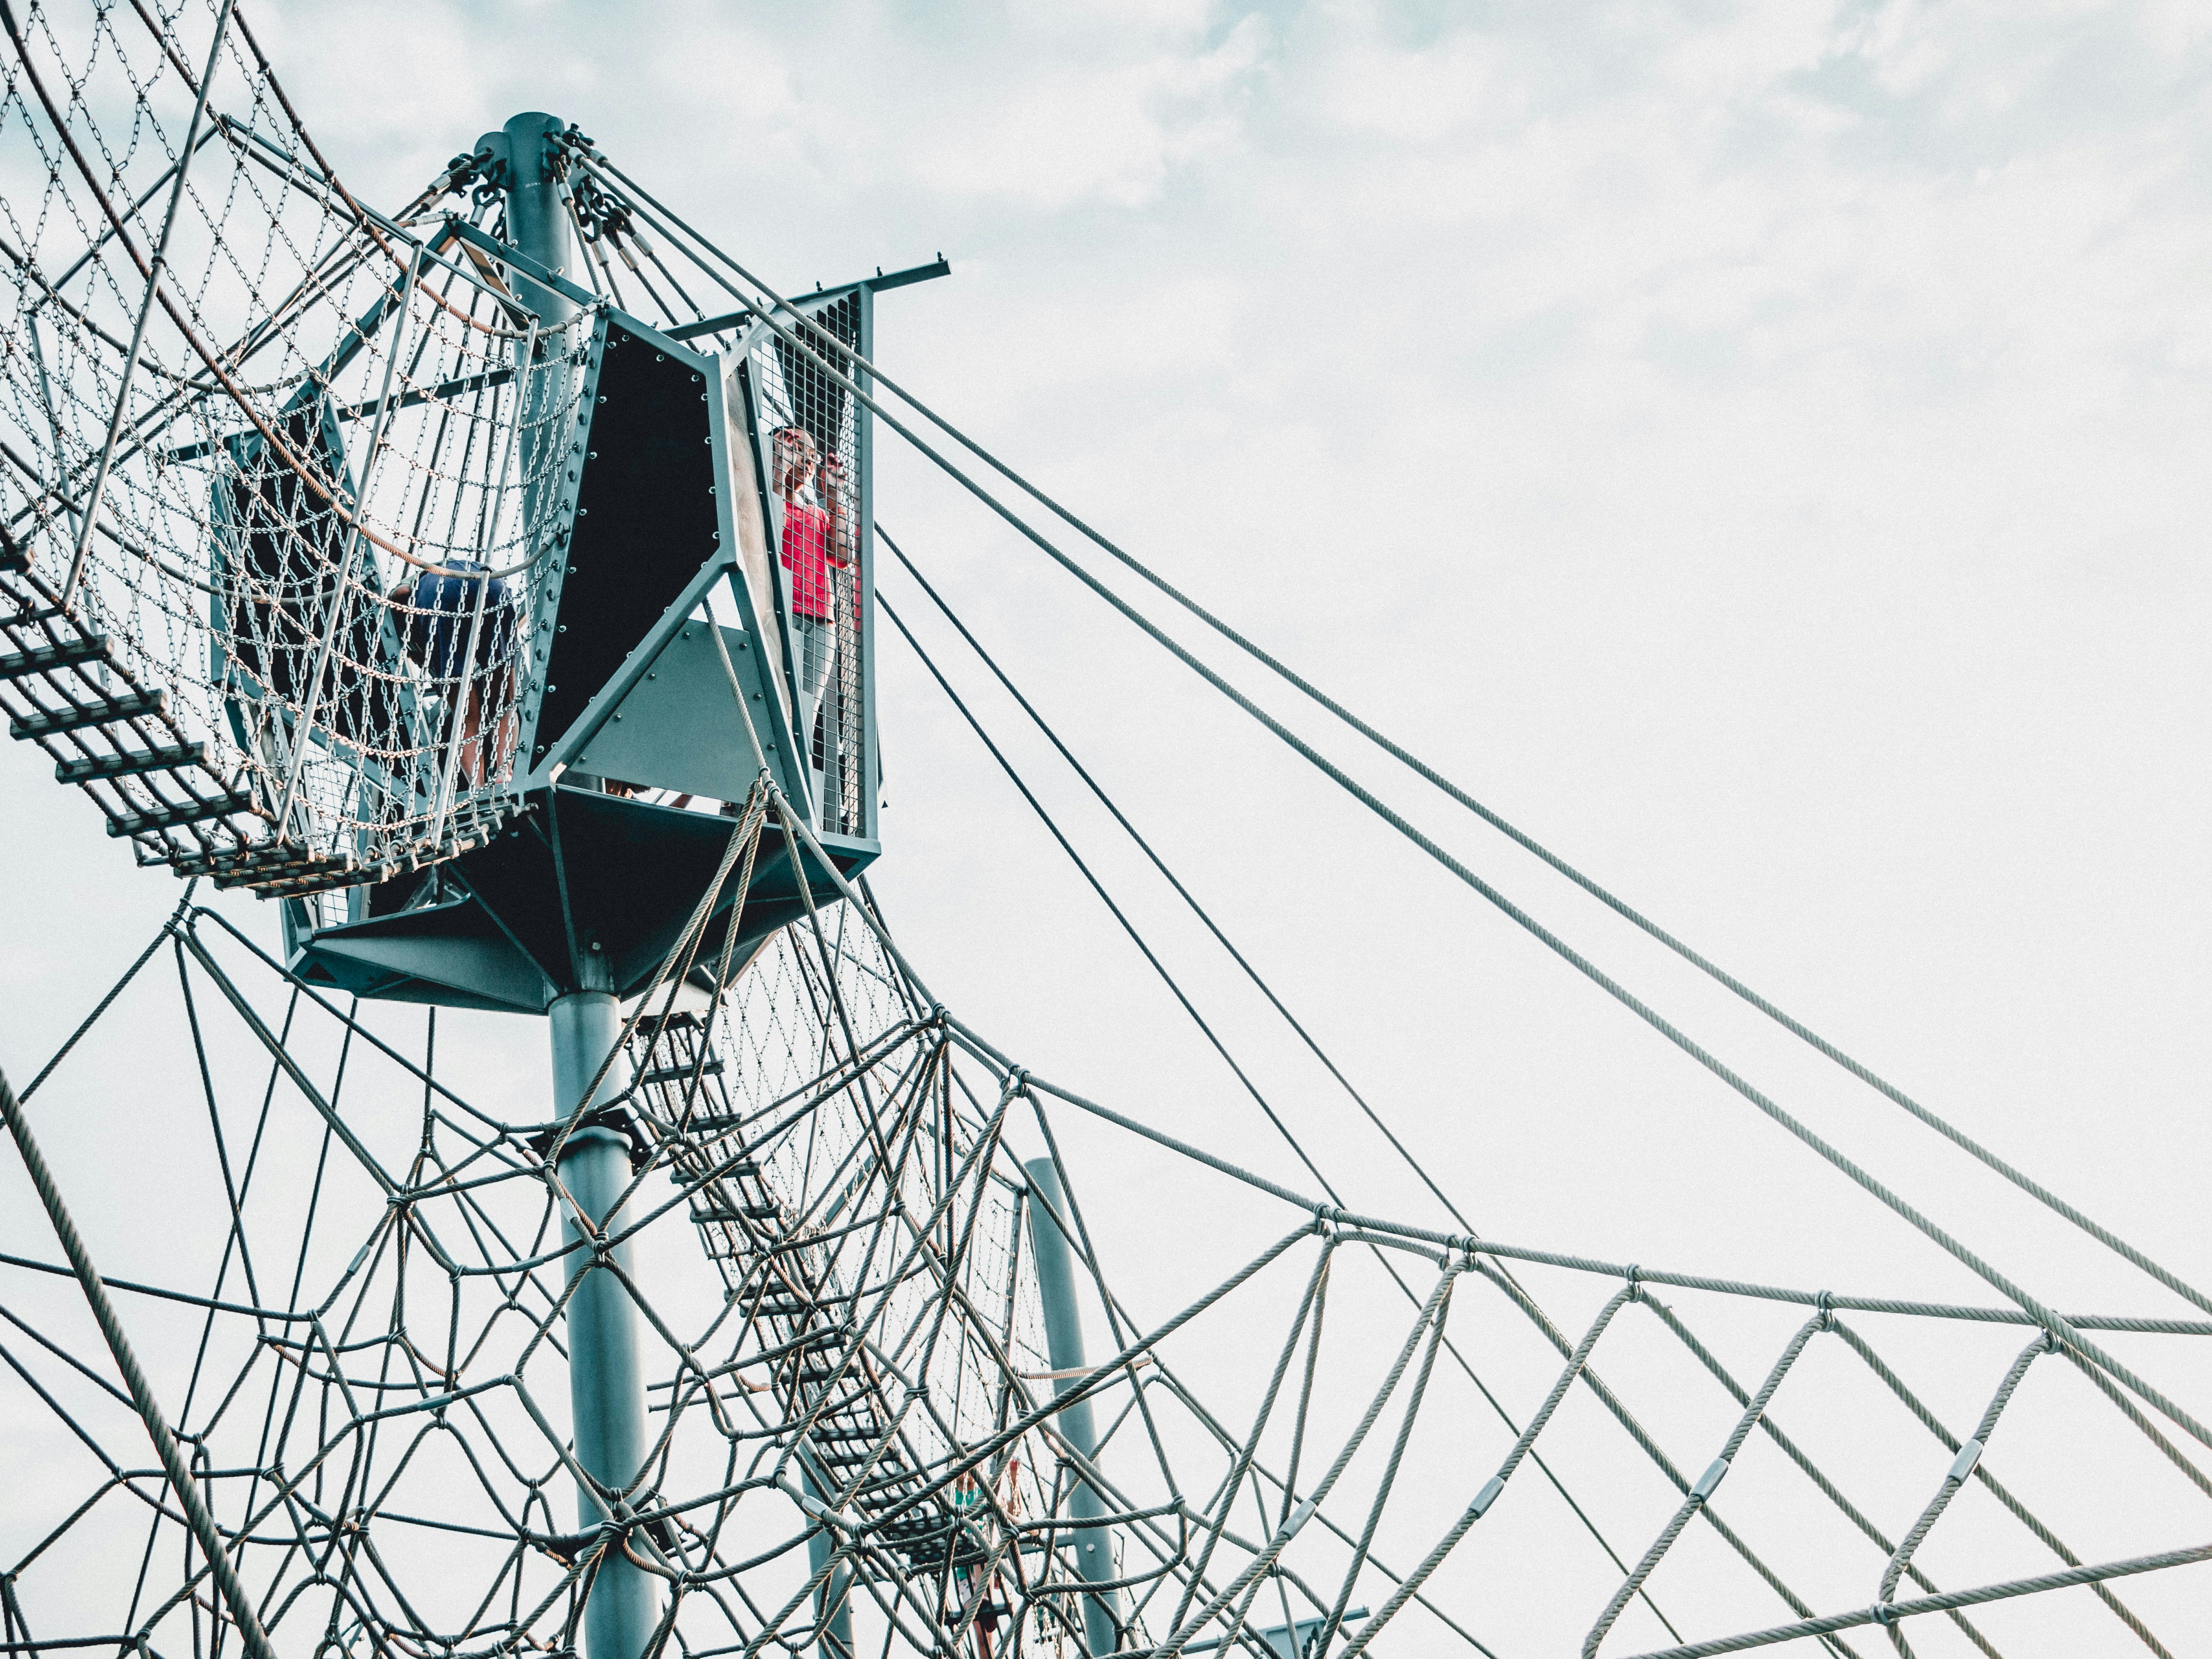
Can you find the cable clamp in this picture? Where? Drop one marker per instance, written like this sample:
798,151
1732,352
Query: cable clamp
1825,1301
1709,1481
1634,1274
1884,1614
1963,1465
1486,1496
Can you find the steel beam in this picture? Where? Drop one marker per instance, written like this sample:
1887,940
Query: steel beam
111,711
833,1602
131,763
607,1387
44,659
196,810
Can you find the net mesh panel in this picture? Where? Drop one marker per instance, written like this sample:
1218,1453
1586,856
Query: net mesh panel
346,1286
377,1395
796,396
261,682
894,1141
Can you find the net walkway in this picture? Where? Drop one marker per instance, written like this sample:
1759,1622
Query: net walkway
276,470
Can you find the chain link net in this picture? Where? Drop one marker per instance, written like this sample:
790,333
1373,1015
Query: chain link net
269,567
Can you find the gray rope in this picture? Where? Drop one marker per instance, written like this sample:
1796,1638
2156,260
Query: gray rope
1430,774
1706,1485
2196,1476
2002,1493
1359,1555
1956,1476
168,927
1496,1486
1574,958
1558,947
141,1395
1266,1558
1812,1470
1889,1613
1639,1433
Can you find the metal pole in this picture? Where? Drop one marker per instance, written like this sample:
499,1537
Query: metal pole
537,218
606,1389
835,1629
1063,1333
538,226
525,156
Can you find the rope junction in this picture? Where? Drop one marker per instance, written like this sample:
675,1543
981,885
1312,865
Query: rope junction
248,419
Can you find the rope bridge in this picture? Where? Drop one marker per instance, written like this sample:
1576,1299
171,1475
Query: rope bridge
278,477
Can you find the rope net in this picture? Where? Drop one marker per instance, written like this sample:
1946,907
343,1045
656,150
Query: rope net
277,476
276,502
862,1436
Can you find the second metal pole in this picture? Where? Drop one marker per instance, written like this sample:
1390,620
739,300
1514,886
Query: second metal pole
1063,1331
606,1389
833,1602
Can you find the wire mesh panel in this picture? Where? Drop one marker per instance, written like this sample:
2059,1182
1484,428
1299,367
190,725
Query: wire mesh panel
810,431
273,493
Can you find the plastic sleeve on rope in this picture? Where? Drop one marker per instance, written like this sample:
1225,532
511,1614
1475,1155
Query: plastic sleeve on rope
1963,1465
1709,1481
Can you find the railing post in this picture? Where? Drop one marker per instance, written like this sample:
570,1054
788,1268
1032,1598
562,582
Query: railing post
1063,1330
606,1389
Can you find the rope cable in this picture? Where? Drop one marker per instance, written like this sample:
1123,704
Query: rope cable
1397,751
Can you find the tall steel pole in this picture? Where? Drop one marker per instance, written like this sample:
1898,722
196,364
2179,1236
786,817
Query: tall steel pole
524,159
606,1389
833,1602
1063,1333
537,218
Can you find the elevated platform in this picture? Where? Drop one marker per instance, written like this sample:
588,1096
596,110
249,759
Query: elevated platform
584,888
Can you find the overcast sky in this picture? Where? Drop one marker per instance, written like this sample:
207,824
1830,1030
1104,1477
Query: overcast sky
1759,450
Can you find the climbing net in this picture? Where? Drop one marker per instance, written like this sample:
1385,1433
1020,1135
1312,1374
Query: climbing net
276,470
907,1387
849,1217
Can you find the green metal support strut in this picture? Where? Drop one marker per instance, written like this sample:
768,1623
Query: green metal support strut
606,1389
1063,1333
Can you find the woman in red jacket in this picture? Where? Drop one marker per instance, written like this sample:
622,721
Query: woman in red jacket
817,548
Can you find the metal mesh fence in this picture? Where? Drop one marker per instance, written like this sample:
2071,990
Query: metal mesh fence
810,428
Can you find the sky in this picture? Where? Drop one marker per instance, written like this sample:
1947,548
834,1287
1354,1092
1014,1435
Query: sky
1756,449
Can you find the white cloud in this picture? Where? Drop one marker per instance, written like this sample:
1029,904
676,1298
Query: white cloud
1070,133
1420,95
